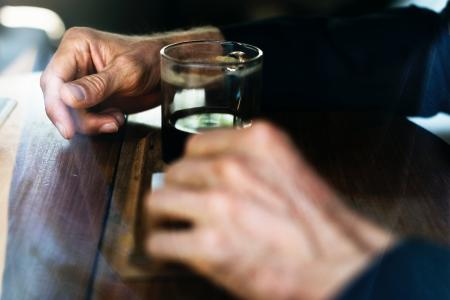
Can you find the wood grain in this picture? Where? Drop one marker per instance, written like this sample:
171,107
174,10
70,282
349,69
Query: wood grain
140,156
57,202
124,270
9,142
386,167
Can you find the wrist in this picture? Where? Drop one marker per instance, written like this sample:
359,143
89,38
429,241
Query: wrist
333,276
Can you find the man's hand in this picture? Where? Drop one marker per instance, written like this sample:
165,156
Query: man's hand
264,225
95,77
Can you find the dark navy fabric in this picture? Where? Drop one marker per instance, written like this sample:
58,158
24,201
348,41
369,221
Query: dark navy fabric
396,61
412,270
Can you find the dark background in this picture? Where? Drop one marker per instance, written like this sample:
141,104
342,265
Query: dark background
144,16
149,16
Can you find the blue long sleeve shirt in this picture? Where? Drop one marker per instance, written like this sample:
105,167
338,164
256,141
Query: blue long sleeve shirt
396,61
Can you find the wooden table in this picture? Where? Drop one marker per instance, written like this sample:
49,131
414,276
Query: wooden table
74,208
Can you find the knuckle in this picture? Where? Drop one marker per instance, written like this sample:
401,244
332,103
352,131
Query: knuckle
77,39
148,202
84,125
85,128
132,66
177,172
49,111
155,198
98,84
210,240
218,202
192,143
43,81
126,60
263,132
218,250
229,167
76,32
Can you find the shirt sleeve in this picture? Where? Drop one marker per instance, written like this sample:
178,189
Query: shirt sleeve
414,269
396,60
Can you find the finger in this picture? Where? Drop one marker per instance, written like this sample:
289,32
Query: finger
175,203
123,76
179,246
261,135
69,62
90,90
191,171
211,143
108,121
56,110
201,172
63,67
230,173
203,250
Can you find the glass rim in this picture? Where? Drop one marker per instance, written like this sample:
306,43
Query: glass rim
163,54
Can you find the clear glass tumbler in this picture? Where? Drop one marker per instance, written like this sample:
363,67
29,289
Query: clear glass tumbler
207,85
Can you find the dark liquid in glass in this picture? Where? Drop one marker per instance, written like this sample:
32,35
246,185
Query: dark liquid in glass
184,123
225,103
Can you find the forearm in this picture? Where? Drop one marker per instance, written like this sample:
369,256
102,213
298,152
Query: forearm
198,33
178,36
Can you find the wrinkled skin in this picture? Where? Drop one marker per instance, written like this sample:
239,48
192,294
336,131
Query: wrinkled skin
96,77
264,225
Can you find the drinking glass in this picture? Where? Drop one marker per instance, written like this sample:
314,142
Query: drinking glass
207,85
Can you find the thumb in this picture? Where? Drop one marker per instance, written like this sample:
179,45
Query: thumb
89,90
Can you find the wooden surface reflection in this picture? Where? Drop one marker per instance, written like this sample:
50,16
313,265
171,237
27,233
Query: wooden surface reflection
9,142
57,202
75,220
386,167
124,270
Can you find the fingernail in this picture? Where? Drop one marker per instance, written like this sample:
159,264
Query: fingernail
109,128
77,91
119,116
61,130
